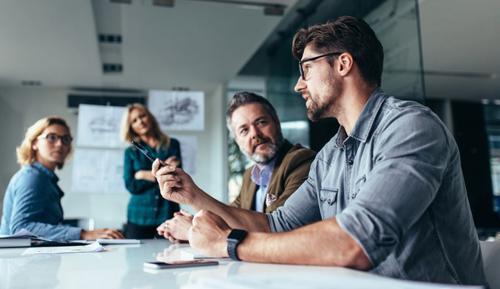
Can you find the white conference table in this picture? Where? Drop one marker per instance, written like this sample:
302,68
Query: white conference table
121,266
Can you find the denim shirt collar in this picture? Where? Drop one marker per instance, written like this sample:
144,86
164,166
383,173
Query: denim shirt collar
41,168
366,119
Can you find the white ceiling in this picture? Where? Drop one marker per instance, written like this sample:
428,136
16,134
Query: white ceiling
49,41
200,45
461,48
195,44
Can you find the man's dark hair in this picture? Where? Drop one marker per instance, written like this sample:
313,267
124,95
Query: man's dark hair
345,34
244,98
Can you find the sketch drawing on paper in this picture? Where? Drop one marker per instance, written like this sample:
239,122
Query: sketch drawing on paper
102,124
99,126
179,111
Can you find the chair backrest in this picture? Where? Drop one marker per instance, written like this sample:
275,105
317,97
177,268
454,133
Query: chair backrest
490,251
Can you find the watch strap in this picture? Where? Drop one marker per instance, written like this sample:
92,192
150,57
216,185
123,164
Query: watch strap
233,240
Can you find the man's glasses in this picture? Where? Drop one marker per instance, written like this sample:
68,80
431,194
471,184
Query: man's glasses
304,72
53,138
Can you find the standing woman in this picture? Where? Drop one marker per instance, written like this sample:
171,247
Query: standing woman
33,198
146,209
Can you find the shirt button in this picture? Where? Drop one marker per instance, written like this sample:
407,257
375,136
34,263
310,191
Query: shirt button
353,195
350,162
157,197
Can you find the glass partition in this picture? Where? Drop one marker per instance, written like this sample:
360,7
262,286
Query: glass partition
396,23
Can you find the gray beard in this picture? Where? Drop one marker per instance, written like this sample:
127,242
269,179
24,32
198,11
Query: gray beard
273,150
264,159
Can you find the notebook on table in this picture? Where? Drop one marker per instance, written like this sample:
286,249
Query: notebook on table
24,238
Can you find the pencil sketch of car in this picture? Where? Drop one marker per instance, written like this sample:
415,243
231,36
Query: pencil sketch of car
179,111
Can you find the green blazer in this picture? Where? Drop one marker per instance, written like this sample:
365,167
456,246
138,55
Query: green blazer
290,171
146,206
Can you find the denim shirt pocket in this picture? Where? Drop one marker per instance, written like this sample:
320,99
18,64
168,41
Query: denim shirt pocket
328,200
357,186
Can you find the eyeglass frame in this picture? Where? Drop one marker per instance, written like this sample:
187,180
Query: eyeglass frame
301,70
65,139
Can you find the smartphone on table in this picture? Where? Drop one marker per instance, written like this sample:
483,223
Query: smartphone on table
179,264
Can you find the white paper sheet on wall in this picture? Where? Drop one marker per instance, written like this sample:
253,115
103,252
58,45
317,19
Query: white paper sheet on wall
178,110
99,126
98,157
98,171
189,145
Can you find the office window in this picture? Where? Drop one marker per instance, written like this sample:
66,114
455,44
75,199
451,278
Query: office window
492,120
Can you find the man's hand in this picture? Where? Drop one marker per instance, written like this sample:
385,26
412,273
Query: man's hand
101,234
176,229
208,234
175,184
173,161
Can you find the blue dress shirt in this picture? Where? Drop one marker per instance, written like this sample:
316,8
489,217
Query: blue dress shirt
261,176
33,202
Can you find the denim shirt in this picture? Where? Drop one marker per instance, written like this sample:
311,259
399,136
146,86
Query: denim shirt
33,202
395,185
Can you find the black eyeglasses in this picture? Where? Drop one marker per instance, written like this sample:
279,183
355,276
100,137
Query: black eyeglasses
53,138
304,72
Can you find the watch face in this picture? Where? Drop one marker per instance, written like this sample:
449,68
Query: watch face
237,234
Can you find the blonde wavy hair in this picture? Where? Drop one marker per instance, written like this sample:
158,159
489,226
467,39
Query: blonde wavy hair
128,134
25,153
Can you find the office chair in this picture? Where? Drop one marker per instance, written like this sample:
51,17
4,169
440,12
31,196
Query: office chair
490,250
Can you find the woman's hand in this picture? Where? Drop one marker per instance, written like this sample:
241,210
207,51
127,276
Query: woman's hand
145,175
101,234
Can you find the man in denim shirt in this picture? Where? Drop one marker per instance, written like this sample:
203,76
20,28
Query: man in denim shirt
386,194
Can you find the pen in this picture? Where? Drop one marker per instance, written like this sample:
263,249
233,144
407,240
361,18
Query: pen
146,153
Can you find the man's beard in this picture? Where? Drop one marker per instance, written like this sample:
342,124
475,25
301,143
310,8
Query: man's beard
268,155
317,111
264,158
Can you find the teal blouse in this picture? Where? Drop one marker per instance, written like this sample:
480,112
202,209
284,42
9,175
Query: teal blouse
147,207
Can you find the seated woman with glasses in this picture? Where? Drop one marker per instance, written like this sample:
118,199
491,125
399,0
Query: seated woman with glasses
33,198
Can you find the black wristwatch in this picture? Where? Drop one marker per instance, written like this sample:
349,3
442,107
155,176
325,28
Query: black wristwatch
233,240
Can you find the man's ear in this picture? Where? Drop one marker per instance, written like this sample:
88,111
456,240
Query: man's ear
345,62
